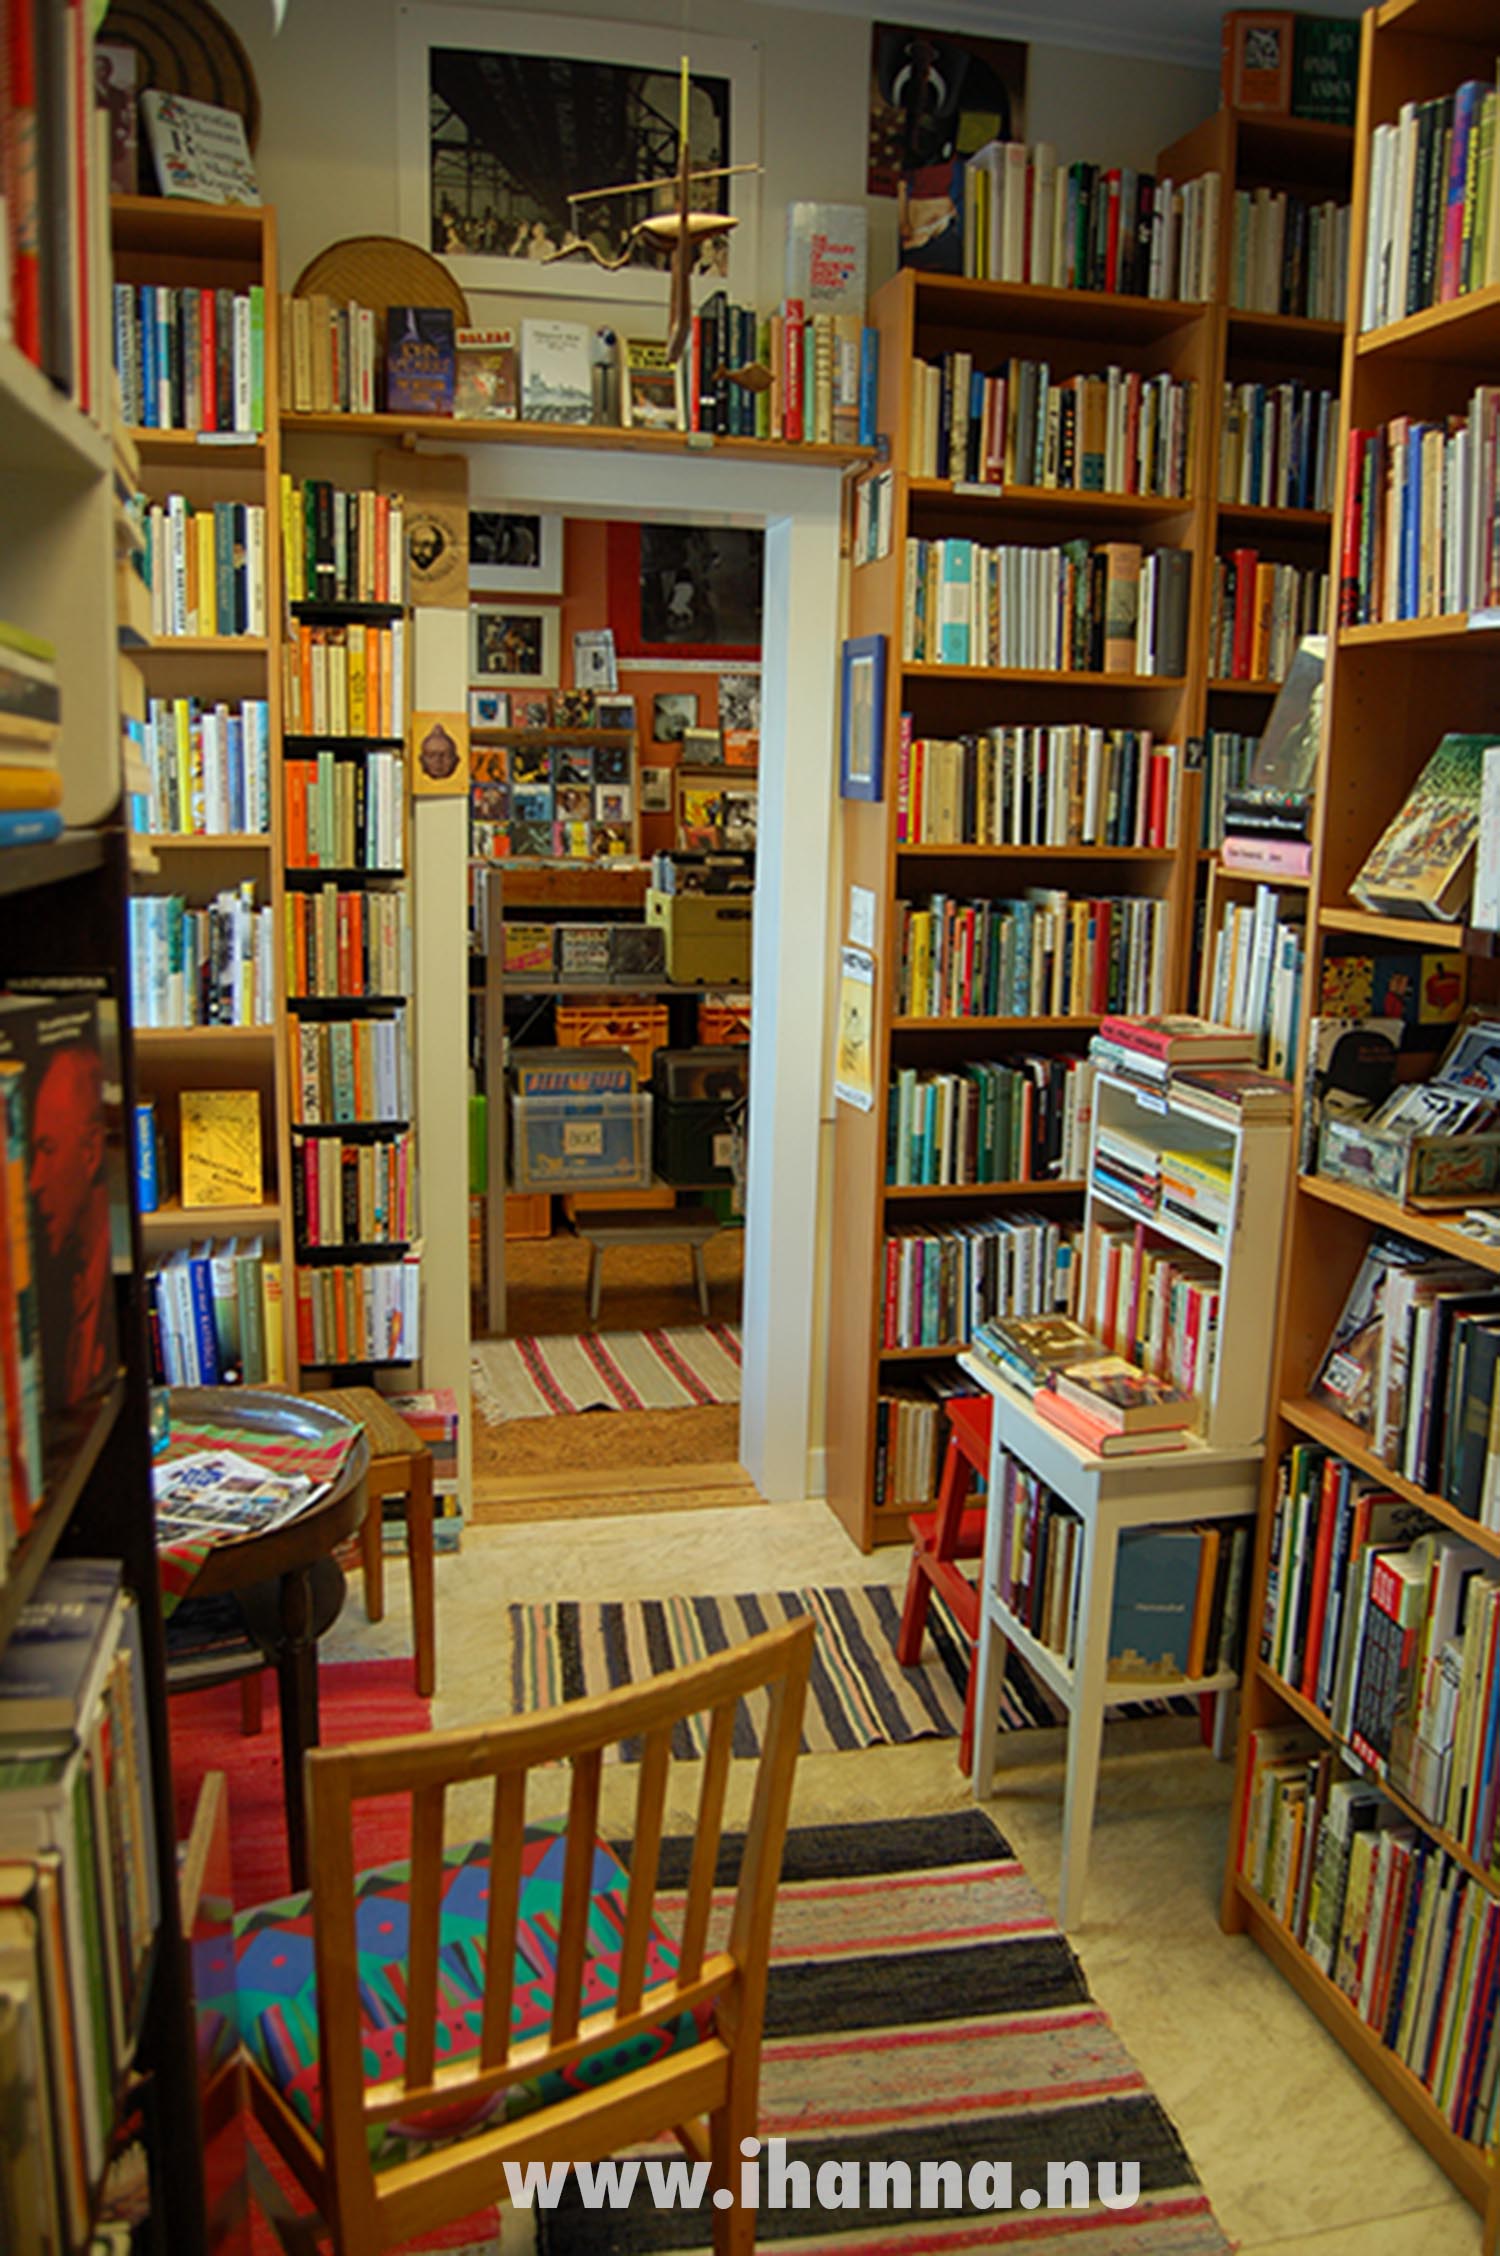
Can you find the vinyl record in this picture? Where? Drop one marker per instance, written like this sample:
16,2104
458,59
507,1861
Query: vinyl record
187,48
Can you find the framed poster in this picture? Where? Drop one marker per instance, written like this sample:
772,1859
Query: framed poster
516,551
686,591
599,102
862,719
515,646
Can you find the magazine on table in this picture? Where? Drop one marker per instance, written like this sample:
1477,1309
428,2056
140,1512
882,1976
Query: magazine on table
221,1495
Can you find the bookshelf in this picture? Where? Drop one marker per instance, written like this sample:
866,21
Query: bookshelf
922,317
1391,691
179,246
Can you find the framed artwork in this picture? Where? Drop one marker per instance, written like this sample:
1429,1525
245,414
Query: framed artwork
599,102
656,791
439,754
862,722
673,713
515,646
489,709
686,591
936,97
516,552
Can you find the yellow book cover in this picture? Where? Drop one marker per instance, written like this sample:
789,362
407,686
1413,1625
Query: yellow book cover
272,1324
208,576
357,722
182,717
221,1152
30,787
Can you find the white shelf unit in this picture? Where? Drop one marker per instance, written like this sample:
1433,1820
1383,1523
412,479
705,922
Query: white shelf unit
1247,1253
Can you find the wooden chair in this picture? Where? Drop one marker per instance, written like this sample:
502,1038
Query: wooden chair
941,1538
682,2021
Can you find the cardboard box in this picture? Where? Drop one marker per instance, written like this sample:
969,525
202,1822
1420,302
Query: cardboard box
707,936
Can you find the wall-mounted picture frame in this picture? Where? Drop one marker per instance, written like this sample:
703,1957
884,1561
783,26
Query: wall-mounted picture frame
686,591
862,719
515,646
489,709
599,101
516,551
673,713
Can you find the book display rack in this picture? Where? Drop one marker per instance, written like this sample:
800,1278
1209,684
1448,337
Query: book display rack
1393,689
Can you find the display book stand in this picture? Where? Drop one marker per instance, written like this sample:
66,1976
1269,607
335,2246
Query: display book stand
63,917
1391,691
1216,1477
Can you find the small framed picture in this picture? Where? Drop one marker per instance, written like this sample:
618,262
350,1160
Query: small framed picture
656,791
531,712
703,748
672,712
489,709
594,660
574,708
739,702
515,646
516,552
612,712
862,730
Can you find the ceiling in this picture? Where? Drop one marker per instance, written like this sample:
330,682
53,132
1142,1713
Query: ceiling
1171,31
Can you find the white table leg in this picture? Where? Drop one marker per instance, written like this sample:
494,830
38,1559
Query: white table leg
1086,1718
990,1660
1223,1734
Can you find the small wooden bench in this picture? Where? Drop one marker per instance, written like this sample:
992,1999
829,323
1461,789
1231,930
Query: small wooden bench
691,1226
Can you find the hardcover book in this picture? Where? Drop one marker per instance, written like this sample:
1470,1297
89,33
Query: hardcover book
221,1153
1423,865
1123,1396
419,360
826,258
557,382
1156,1589
487,380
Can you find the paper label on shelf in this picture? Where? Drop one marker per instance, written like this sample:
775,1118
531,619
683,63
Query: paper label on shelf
583,1139
724,1149
984,487
1151,1101
1488,617
861,916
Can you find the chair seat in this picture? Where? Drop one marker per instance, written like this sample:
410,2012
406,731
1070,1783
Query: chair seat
275,1993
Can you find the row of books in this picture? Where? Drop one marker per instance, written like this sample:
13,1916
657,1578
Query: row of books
1411,1362
1062,784
207,966
938,1284
909,1442
344,681
210,766
215,1314
580,821
1111,432
358,1194
346,1071
360,1312
621,952
1157,1306
191,359
996,1120
1421,535
341,544
1411,1939
346,814
823,367
54,233
1260,960
1228,756
1258,613
1050,955
1288,255
1278,446
1065,609
1084,227
1160,1183
206,567
348,944
330,355
80,1890
1434,228
30,724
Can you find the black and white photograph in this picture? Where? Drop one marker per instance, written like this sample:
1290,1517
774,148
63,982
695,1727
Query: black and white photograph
515,646
504,119
739,703
594,659
673,713
516,552
701,586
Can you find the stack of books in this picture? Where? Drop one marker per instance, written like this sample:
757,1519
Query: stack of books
206,567
1278,446
1068,784
1112,609
1028,1349
341,545
1421,507
1259,611
1112,432
1127,1169
1434,227
1157,1048
1228,757
1288,255
432,1415
202,967
30,719
1112,1408
1025,218
191,359
940,1284
1197,1187
214,1310
344,681
210,766
994,1120
1051,955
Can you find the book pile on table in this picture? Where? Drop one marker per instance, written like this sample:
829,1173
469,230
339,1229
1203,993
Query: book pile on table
1169,1045
1110,1406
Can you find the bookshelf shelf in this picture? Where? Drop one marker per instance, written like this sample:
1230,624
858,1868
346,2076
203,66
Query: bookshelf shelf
1404,633
353,1131
1465,330
1041,677
1080,1026
402,430
172,1216
549,736
295,745
338,611
1326,1426
1418,931
1406,1221
933,852
343,1006
198,450
205,646
78,853
1048,501
1037,309
1252,517
380,1249
1224,686
918,1194
209,842
40,431
154,1038
1272,333
72,1445
921,1354
1283,880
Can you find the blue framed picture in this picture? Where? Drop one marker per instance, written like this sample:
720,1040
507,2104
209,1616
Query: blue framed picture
862,723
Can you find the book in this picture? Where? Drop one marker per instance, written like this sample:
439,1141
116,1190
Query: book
1099,1439
1423,863
487,374
50,1658
1155,1599
1484,910
826,258
557,384
1256,59
652,387
420,357
220,1147
1030,1348
199,150
1122,1397
1176,1038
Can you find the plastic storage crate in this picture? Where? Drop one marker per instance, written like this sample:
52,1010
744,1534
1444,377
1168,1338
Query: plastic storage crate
579,1143
723,1019
641,1028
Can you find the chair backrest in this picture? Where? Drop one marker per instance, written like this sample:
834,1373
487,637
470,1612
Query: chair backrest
771,1670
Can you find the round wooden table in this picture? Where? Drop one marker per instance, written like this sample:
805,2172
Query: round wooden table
286,1556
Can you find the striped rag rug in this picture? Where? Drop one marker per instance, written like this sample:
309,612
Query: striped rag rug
686,1368
859,1695
923,2008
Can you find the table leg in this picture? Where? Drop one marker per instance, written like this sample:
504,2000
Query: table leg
1223,1737
297,1680
596,1265
991,1652
1086,1721
372,1557
419,1511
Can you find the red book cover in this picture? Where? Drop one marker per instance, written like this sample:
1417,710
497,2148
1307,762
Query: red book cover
1245,562
1092,1434
80,54
22,185
892,1267
306,1348
1318,1599
793,389
1156,810
1349,558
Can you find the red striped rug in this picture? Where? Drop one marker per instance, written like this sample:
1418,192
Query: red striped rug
687,1367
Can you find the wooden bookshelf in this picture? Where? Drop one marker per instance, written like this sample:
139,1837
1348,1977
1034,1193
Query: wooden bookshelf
1391,691
180,244
406,430
920,317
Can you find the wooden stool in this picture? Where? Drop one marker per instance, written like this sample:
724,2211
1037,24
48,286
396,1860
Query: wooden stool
676,1225
400,1465
941,1538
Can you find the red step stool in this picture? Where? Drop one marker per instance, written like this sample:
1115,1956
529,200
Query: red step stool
941,1538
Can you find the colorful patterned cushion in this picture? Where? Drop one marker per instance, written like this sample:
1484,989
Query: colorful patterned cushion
269,1968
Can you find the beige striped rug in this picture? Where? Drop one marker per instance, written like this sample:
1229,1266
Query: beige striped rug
686,1368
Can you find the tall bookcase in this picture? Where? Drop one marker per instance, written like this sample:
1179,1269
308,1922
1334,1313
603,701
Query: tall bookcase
178,244
1393,689
922,317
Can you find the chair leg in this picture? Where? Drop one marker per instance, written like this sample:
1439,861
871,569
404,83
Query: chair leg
966,1729
596,1266
252,1703
913,1615
419,1511
372,1555
734,2229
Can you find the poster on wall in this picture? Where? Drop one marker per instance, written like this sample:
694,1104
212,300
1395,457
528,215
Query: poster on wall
501,118
935,99
854,1054
686,591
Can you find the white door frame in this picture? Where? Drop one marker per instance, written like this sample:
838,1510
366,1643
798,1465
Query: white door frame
799,507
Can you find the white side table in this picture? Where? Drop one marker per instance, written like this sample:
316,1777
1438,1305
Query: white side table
1109,1495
